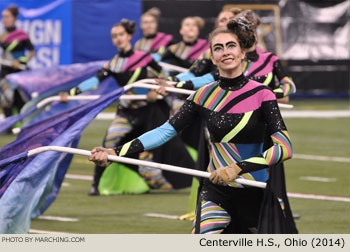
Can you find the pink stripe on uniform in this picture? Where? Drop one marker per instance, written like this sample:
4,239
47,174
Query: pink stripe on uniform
284,144
202,93
267,69
250,104
272,155
200,43
215,223
216,96
16,35
249,86
160,40
135,57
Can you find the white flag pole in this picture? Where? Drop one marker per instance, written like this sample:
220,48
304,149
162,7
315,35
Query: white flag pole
166,167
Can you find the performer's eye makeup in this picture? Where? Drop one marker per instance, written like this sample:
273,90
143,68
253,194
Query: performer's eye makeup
231,45
218,47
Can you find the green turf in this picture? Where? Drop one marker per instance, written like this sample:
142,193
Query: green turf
296,168
115,214
5,139
321,216
320,136
321,104
125,214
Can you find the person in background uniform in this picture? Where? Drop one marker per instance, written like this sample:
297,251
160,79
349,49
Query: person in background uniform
185,52
238,113
17,51
265,67
133,117
152,40
261,66
202,71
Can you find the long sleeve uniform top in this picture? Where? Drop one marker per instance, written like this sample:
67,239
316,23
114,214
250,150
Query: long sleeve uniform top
266,68
153,43
238,112
183,53
125,68
14,42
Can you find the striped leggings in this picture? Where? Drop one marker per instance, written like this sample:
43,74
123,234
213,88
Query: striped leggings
228,210
213,220
118,129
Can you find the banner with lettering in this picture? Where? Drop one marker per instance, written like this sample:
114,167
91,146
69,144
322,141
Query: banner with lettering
67,31
48,24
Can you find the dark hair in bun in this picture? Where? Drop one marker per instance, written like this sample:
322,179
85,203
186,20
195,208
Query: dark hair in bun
14,10
239,27
244,31
252,17
129,25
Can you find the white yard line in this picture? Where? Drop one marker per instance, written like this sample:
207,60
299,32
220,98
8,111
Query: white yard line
105,116
318,179
290,195
78,177
164,216
321,158
58,218
37,231
315,113
317,197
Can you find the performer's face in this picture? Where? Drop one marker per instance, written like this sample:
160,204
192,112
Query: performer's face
189,30
223,18
8,19
227,55
148,25
120,38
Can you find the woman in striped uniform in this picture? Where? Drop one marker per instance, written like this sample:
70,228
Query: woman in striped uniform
14,43
268,70
152,41
203,71
261,66
266,67
238,112
185,52
132,117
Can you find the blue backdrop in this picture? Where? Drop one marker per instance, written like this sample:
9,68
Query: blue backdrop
92,22
72,31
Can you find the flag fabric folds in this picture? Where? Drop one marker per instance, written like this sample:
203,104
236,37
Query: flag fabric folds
28,185
57,78
47,82
11,120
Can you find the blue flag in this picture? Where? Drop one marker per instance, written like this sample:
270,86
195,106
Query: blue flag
48,82
28,185
57,78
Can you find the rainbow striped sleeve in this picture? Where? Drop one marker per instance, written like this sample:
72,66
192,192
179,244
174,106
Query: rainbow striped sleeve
286,88
280,151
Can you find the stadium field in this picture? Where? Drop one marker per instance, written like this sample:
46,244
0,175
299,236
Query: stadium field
311,173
